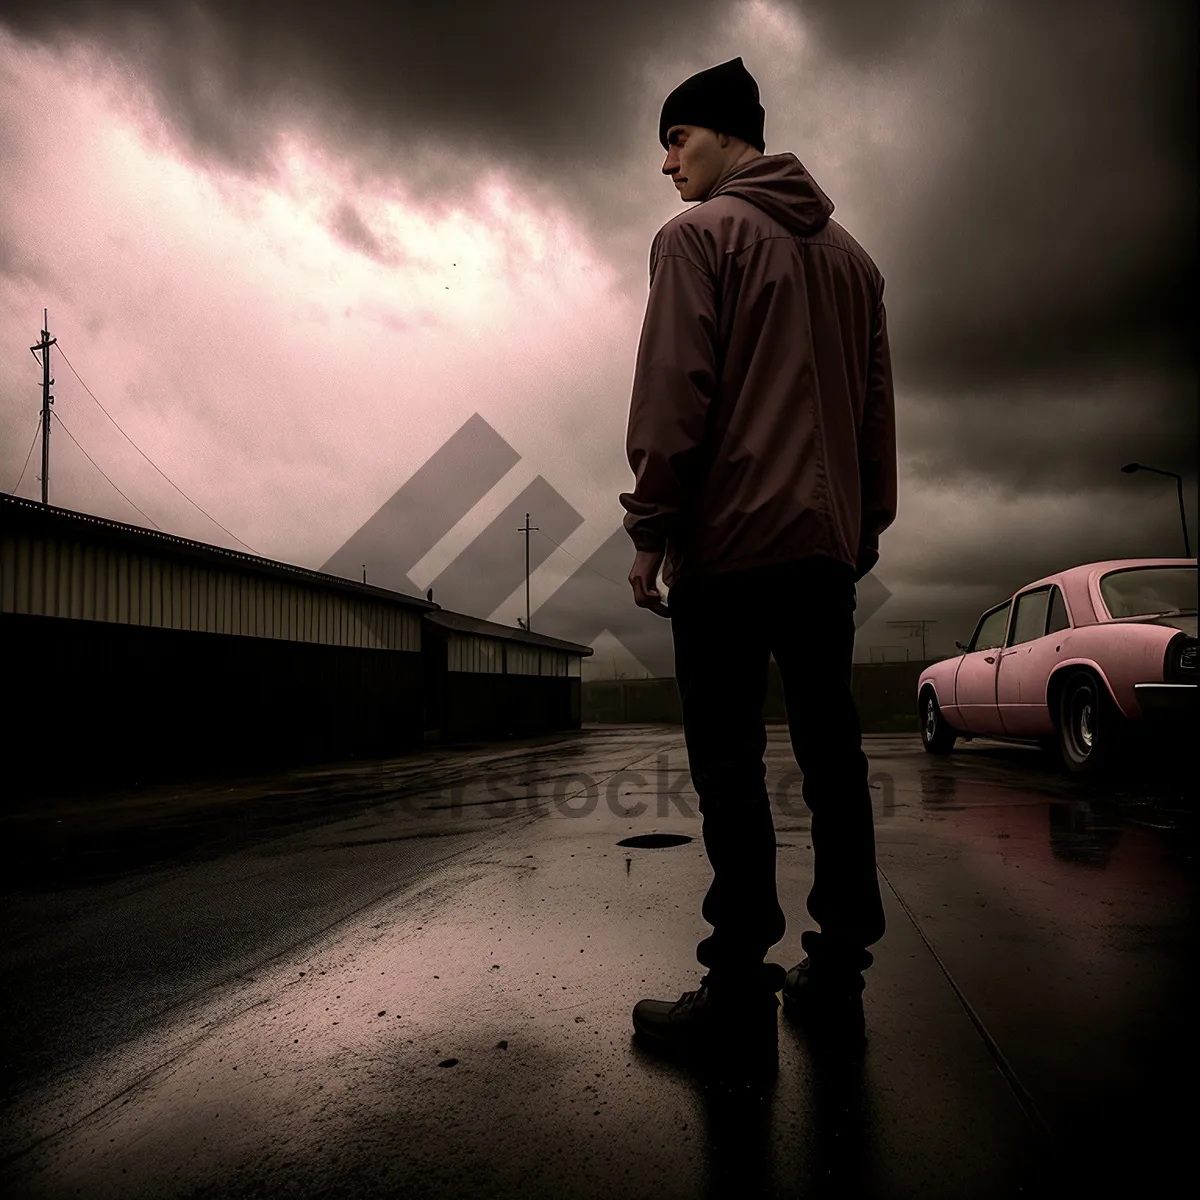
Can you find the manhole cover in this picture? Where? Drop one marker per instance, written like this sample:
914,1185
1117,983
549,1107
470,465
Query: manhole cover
655,841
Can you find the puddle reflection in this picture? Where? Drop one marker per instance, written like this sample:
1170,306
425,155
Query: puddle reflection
1079,835
1083,826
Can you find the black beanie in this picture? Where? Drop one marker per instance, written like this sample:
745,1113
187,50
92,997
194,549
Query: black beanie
723,98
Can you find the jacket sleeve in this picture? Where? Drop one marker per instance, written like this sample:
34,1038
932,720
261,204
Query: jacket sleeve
877,447
674,382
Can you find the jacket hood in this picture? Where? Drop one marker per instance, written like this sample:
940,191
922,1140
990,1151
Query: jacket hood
780,186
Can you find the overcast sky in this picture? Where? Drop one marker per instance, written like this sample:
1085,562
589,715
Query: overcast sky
292,249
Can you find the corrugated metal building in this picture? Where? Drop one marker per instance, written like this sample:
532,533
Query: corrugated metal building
501,681
131,653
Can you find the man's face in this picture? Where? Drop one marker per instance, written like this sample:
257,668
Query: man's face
695,160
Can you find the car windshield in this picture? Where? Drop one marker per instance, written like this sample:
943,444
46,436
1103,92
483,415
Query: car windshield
1149,591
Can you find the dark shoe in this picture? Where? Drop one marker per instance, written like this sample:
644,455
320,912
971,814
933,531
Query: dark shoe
721,1021
828,1006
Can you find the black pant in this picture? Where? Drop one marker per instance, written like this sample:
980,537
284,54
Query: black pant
725,627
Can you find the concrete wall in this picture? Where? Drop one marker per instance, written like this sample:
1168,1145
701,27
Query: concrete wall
885,694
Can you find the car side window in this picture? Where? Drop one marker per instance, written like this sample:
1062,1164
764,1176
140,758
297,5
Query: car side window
1058,612
991,630
1030,620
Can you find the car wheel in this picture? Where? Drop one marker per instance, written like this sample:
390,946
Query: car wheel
936,736
1089,725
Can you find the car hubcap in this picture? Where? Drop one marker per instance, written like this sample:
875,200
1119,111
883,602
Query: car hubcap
1082,732
930,720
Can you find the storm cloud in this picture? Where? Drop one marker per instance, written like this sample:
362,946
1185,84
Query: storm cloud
1023,174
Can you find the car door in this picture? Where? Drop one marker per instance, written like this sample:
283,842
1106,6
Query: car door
1020,700
1034,648
975,680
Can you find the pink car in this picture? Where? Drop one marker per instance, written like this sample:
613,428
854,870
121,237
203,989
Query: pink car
1079,660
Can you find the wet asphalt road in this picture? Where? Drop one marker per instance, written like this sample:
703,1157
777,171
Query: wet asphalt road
248,987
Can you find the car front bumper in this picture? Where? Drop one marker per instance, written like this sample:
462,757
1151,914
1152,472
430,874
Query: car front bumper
1166,699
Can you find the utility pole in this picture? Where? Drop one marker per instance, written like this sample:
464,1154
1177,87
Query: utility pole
526,529
47,399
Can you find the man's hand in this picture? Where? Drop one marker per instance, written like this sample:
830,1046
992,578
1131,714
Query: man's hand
644,581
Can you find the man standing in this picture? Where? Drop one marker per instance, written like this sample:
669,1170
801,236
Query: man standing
762,440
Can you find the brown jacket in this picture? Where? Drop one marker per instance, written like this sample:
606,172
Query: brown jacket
762,423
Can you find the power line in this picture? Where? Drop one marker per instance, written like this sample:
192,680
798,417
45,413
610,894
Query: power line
100,468
36,431
150,461
915,629
588,565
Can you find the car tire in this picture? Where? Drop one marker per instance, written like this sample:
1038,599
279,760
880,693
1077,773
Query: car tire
936,736
1090,728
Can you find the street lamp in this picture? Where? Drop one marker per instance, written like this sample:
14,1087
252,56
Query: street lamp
1129,469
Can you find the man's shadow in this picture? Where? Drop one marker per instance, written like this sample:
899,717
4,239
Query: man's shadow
835,1086
750,1118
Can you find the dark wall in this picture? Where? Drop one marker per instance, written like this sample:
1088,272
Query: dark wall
885,695
495,705
97,703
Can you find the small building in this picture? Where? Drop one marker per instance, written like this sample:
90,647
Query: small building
133,654
498,681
